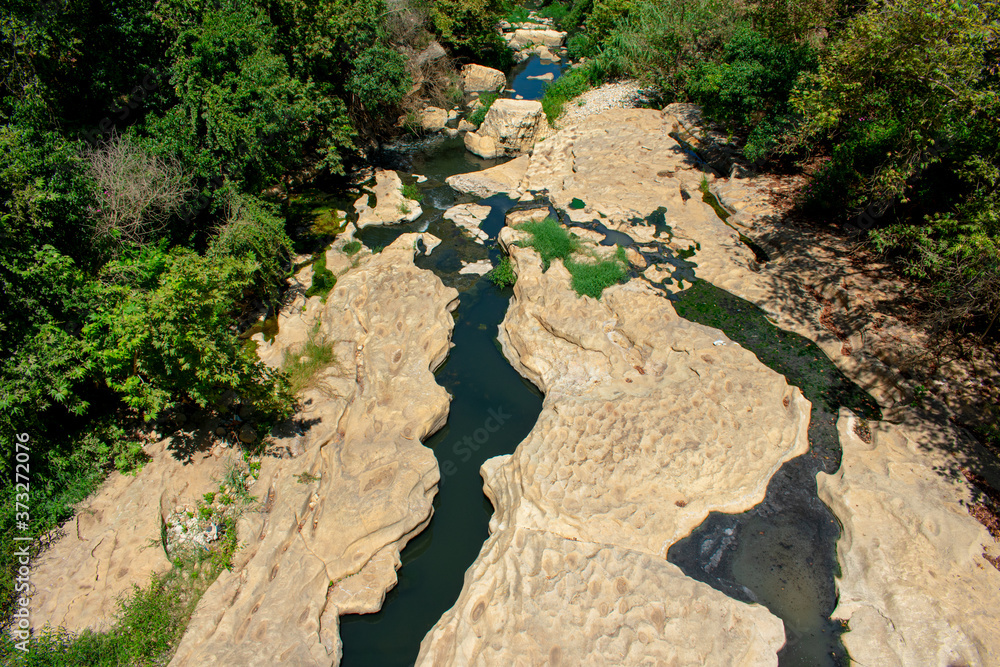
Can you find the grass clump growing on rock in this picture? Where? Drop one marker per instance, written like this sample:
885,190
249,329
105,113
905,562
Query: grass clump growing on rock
550,239
553,241
323,279
503,275
410,191
302,366
591,279
479,115
352,248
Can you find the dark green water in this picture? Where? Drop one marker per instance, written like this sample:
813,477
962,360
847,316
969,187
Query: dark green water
492,410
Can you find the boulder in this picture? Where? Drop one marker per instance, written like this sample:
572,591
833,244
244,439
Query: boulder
522,38
914,582
466,126
390,204
504,177
433,119
478,79
510,128
483,146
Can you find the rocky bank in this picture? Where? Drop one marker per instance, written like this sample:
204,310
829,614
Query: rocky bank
649,423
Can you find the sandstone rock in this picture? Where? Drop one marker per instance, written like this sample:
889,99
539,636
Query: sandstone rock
466,126
105,550
390,206
548,76
545,54
433,119
479,268
522,38
521,215
914,584
362,486
502,178
512,125
483,146
479,79
647,426
469,217
628,608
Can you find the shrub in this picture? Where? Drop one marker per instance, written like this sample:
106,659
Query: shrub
479,115
503,274
352,248
748,88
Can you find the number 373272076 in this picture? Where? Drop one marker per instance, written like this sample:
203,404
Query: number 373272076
21,470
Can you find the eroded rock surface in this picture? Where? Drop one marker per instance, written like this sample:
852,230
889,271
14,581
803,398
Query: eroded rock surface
390,205
649,423
510,128
480,79
914,586
337,514
113,542
468,217
502,178
528,37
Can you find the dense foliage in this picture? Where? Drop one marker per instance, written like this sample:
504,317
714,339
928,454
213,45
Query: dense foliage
139,140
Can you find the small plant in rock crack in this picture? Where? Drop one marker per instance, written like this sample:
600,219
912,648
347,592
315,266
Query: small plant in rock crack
503,274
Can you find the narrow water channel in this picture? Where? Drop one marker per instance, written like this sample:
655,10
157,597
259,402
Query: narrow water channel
781,553
492,410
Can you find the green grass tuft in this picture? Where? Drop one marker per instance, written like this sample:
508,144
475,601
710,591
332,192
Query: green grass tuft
302,366
323,279
479,115
503,274
592,279
550,239
352,248
410,191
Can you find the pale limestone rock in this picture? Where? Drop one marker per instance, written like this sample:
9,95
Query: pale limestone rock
511,125
480,268
624,164
502,178
433,119
466,126
390,207
647,426
482,145
522,38
373,480
595,604
914,585
480,79
469,217
106,548
521,215
548,76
